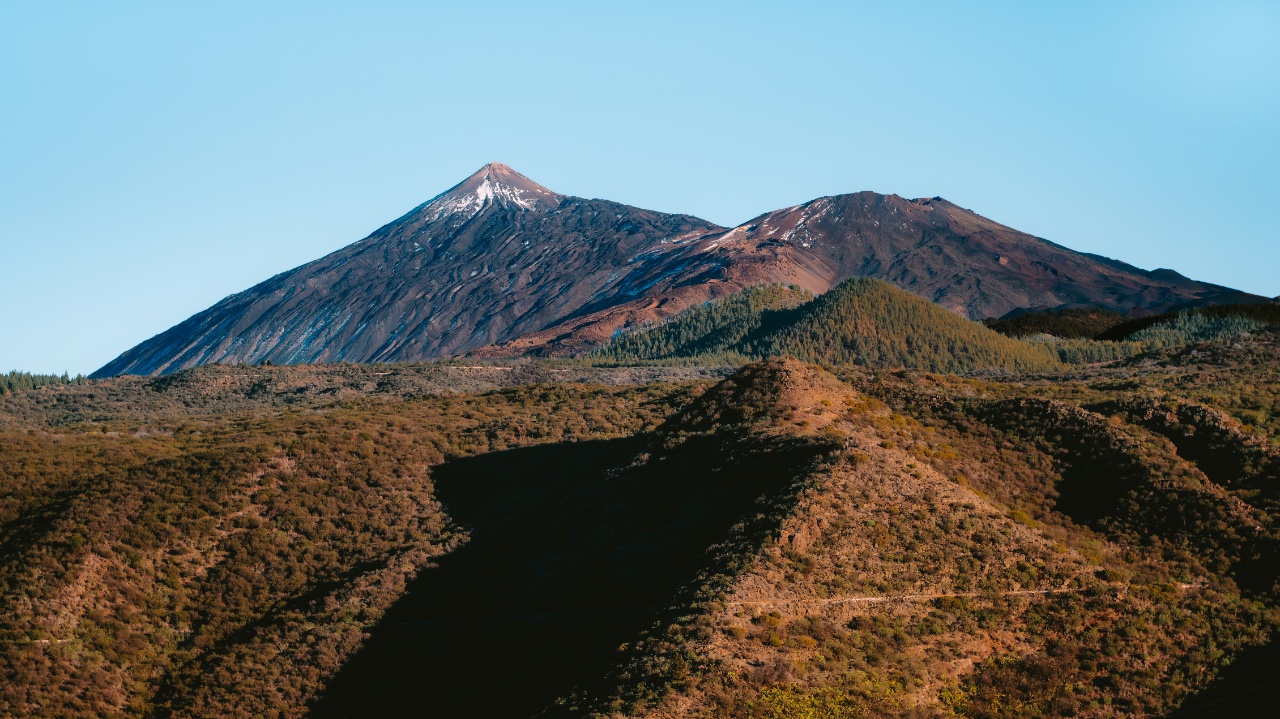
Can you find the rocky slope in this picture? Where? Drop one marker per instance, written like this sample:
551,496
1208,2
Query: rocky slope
495,257
501,266
949,255
930,247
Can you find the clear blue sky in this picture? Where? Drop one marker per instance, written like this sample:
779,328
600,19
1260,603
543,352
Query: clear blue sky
156,157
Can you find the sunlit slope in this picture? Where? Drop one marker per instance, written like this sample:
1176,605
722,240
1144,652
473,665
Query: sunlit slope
783,542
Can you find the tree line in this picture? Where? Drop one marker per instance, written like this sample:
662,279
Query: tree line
15,380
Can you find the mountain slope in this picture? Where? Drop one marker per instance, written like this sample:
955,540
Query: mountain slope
859,322
721,329
930,247
949,255
501,266
495,257
939,570
784,543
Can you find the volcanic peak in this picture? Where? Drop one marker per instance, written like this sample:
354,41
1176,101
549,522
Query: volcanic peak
493,184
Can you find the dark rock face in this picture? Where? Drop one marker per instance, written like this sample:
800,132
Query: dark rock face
501,266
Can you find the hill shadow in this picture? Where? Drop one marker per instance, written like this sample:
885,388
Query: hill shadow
567,560
1246,689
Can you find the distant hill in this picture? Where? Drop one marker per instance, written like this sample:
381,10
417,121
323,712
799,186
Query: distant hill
1249,314
860,322
727,329
500,266
866,322
1072,323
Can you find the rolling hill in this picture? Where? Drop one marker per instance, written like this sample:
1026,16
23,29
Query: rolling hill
778,543
859,322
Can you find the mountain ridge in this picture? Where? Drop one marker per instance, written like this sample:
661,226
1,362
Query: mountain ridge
446,277
500,266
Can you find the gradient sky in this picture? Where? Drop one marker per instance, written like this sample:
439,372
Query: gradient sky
155,158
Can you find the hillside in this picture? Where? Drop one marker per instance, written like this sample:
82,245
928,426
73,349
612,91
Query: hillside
228,566
1254,315
1074,323
340,540
500,266
932,248
859,322
215,392
865,322
720,330
943,569
953,257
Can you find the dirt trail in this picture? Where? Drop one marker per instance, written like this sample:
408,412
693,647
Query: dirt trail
919,597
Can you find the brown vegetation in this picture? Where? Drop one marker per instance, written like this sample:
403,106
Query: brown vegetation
241,541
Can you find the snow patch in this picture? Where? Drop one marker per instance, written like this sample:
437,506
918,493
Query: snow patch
488,192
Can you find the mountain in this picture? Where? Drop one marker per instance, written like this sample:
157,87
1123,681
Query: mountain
1075,323
495,257
930,247
948,255
501,266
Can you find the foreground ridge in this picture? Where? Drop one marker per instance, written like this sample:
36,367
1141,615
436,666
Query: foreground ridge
327,540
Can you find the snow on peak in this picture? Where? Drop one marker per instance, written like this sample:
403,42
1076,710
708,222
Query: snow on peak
493,184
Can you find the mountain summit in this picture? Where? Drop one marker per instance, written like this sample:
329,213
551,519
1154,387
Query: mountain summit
494,183
499,265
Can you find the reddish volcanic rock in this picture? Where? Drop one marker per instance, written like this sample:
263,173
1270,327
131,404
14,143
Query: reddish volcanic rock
501,266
